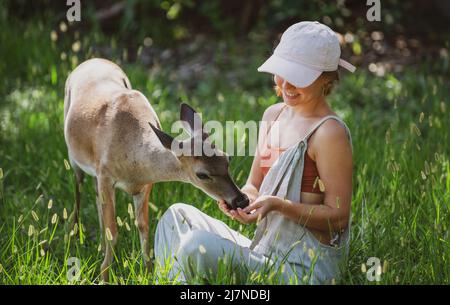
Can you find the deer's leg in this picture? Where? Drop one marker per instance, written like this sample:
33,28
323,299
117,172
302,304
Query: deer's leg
100,213
79,176
107,201
141,207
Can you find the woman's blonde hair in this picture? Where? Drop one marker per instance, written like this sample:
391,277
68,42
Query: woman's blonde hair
331,78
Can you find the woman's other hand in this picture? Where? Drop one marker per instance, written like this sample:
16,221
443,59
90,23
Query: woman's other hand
224,208
257,210
251,191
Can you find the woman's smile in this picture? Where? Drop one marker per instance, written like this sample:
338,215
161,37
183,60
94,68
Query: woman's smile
291,94
290,97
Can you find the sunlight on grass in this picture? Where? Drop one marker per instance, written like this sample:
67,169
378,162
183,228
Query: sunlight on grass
401,187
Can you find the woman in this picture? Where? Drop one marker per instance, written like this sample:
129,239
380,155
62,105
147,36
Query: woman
300,184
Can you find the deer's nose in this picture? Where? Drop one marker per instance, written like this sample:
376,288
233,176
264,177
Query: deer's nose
240,201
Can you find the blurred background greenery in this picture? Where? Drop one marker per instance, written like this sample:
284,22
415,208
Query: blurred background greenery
201,37
206,53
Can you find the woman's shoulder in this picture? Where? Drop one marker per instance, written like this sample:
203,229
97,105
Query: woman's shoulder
272,111
333,126
332,131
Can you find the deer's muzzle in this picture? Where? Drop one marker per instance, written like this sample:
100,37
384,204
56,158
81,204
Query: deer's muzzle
240,201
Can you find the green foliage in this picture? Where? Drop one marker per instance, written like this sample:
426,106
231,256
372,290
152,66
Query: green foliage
171,21
399,124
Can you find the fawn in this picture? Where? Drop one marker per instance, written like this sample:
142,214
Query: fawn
114,135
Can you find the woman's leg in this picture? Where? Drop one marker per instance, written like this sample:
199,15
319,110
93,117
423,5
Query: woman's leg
205,256
193,242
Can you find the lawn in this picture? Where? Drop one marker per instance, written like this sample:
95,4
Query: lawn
401,183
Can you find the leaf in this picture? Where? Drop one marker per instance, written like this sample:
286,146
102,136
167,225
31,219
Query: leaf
321,186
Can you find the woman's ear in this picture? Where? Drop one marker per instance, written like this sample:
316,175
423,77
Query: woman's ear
276,87
326,88
277,90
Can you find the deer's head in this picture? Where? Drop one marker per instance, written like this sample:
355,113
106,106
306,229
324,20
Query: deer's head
205,165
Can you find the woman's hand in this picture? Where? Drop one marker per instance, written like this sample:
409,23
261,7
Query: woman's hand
224,208
256,210
251,192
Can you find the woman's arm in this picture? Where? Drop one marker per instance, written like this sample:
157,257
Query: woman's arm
335,166
255,178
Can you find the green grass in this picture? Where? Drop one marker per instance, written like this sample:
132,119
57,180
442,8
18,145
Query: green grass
401,187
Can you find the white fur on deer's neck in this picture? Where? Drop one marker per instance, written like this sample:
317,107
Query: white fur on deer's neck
165,166
153,164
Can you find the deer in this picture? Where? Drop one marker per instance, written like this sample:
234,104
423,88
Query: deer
113,134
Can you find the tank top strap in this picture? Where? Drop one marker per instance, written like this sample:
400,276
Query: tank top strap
276,118
347,130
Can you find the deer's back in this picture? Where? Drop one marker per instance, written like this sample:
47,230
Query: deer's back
106,122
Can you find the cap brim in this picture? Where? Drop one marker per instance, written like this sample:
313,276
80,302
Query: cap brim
295,73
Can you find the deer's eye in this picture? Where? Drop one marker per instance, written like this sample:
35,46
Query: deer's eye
202,176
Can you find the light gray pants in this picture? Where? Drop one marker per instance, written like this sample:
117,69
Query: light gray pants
193,243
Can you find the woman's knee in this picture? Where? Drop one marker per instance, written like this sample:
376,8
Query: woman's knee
166,235
170,216
176,208
179,211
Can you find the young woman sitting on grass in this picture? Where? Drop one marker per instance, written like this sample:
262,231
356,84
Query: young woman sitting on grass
300,183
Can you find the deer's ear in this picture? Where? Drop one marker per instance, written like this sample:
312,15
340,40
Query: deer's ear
191,117
166,140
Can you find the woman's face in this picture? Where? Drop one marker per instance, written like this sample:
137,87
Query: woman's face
293,96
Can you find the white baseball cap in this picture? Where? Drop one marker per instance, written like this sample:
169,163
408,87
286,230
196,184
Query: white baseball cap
306,49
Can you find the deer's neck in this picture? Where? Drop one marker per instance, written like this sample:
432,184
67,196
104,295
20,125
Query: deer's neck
165,166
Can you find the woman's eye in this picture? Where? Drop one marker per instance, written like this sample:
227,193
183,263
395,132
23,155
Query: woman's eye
202,176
